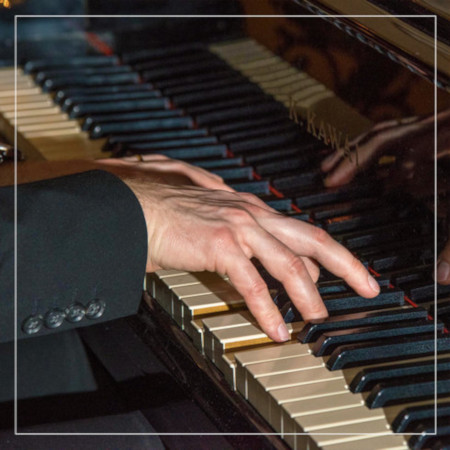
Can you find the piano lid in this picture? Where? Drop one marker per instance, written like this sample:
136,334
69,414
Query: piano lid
408,40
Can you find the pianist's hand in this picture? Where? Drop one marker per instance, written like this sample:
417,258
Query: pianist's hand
196,229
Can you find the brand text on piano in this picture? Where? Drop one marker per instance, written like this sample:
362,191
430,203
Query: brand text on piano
324,131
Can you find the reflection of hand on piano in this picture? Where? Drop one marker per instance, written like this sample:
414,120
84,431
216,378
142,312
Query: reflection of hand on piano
197,229
410,141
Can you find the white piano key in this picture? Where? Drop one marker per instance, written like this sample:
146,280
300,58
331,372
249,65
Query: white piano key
194,307
258,390
304,393
275,367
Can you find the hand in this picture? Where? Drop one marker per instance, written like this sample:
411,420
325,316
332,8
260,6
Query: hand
197,229
410,141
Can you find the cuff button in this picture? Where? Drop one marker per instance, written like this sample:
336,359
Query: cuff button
75,312
32,324
95,309
54,318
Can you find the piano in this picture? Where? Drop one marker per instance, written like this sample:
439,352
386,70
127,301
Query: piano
253,111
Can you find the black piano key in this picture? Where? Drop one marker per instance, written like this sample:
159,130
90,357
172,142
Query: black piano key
246,124
334,287
272,155
156,135
297,180
216,163
289,313
253,144
381,234
413,416
431,438
97,80
367,379
254,187
156,74
185,81
175,60
280,204
62,94
343,208
311,331
282,165
422,291
440,309
238,112
353,301
214,107
74,61
172,143
357,221
259,130
188,153
225,80
119,106
75,99
186,100
332,339
281,299
399,277
330,195
409,389
235,173
91,120
371,352
105,129
43,75
161,52
402,258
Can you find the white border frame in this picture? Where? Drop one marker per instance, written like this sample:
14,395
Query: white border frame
16,17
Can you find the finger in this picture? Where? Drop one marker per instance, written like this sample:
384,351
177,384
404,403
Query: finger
443,266
342,174
331,160
290,269
307,240
251,286
312,267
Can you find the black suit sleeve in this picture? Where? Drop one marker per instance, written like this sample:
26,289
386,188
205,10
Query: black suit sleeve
81,253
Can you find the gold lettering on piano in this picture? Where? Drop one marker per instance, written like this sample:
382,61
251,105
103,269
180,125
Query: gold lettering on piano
324,131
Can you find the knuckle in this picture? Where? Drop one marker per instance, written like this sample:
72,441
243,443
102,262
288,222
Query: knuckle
295,266
257,288
251,198
320,236
239,215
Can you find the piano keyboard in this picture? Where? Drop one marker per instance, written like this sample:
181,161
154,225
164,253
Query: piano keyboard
228,108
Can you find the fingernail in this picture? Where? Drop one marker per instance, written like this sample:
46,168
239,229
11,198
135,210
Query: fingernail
373,284
316,321
443,271
283,333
